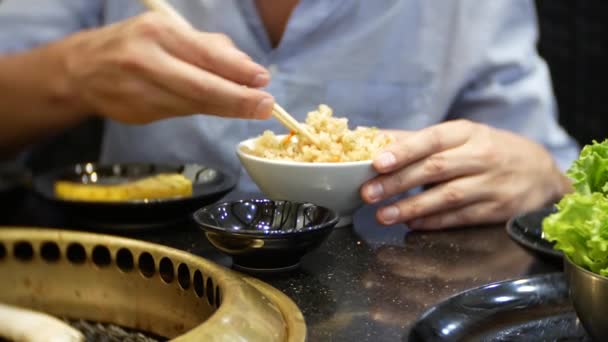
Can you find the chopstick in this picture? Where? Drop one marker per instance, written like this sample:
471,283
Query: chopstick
278,112
163,6
288,121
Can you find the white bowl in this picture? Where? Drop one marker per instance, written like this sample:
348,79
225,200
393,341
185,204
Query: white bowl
332,185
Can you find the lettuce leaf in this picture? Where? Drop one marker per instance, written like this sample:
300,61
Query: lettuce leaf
580,229
589,172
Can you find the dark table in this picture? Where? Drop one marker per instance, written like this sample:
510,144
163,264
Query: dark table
367,282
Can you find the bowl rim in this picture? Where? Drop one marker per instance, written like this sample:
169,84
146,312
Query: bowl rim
42,182
264,233
584,270
515,231
241,153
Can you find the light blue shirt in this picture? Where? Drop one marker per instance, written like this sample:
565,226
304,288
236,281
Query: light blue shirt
403,64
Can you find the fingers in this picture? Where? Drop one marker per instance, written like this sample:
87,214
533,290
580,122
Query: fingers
217,54
195,72
204,68
439,167
422,144
223,58
213,52
477,213
214,94
118,104
454,194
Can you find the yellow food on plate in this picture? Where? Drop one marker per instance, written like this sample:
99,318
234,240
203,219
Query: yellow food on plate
160,186
337,142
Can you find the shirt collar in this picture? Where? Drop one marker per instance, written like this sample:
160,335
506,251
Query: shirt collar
307,17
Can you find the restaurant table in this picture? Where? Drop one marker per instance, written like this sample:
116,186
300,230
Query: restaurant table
366,282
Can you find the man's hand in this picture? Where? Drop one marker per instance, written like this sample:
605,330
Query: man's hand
153,66
475,175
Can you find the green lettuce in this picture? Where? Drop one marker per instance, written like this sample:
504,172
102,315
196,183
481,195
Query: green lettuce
589,173
580,229
580,226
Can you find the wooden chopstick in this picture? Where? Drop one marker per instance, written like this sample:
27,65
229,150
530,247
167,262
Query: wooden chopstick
163,6
278,112
291,123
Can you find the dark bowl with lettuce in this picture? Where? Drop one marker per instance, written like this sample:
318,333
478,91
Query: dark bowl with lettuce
579,229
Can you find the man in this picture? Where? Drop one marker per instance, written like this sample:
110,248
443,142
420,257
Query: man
407,65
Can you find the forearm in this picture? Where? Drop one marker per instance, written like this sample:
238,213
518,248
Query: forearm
36,97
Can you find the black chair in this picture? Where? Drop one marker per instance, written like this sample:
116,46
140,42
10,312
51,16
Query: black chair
79,144
574,41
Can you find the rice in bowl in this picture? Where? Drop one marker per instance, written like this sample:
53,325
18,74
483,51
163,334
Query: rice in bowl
337,142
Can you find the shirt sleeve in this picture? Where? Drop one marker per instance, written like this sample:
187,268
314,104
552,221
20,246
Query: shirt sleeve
25,24
510,86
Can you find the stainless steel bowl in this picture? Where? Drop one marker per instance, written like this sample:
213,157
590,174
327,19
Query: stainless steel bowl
589,294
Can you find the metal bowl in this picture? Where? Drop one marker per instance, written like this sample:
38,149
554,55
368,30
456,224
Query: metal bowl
142,286
264,235
589,295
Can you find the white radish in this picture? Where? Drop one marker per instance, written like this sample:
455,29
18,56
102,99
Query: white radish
23,325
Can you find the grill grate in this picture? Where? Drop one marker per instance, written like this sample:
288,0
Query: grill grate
98,332
111,333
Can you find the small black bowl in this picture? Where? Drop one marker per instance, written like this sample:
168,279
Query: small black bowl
263,235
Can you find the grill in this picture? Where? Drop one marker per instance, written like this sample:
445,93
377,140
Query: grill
97,332
121,285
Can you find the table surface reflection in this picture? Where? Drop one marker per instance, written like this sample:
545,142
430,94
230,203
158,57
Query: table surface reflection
366,282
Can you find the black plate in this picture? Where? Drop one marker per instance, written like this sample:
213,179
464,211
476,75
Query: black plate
209,185
527,231
528,309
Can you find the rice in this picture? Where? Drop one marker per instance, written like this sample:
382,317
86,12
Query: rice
337,142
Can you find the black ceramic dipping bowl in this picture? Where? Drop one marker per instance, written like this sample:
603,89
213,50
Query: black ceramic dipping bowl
263,235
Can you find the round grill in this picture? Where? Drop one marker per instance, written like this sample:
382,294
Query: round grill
141,286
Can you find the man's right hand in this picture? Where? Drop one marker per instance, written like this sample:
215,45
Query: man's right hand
152,67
